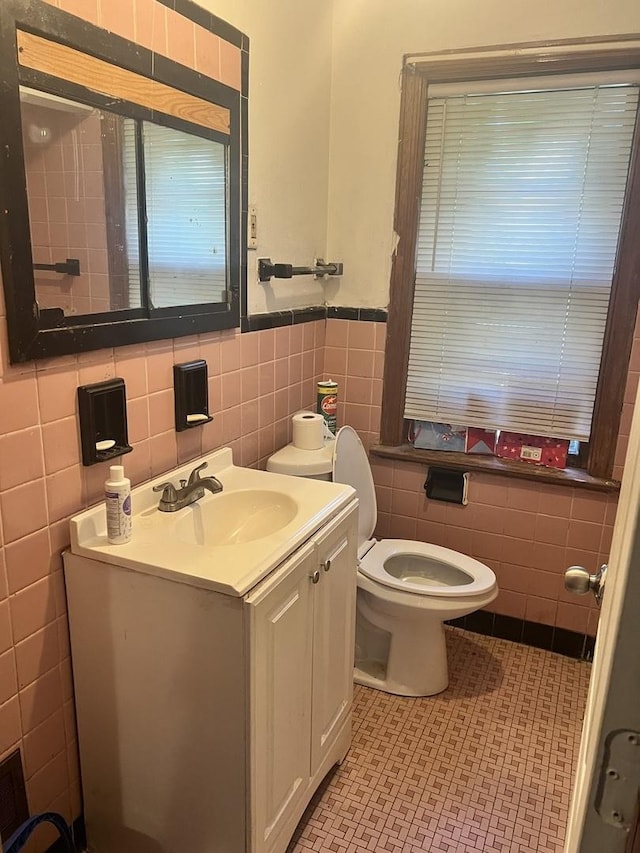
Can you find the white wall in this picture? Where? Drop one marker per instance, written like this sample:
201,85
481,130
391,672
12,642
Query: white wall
370,38
289,100
323,104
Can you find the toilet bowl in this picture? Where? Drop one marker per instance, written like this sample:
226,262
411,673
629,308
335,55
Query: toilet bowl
406,589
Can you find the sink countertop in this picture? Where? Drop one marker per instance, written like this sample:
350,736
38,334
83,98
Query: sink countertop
233,569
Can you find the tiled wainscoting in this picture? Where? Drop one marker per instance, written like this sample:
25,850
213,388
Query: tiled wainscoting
527,533
256,382
485,766
555,639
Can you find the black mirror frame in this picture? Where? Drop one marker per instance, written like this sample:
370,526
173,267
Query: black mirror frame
27,339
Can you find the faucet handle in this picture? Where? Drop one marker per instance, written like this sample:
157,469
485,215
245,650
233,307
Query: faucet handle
194,476
168,491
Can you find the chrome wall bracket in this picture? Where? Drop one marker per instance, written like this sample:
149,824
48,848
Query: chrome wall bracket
268,270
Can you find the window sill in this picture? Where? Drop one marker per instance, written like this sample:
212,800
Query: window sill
573,477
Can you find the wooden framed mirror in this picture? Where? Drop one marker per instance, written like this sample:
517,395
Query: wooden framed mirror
123,186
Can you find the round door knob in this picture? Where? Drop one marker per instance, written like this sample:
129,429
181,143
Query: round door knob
578,581
326,566
315,577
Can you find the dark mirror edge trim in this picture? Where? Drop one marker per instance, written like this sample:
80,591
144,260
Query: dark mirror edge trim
21,318
56,342
26,340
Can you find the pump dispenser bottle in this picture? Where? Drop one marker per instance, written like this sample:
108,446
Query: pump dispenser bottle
117,493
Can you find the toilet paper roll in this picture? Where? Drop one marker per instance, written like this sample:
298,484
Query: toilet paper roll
308,431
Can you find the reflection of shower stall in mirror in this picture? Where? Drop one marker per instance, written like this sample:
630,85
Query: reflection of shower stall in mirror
64,164
84,186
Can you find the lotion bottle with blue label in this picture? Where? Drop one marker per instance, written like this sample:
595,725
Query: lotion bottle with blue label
117,493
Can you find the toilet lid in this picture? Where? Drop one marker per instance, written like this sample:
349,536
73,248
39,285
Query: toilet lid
426,569
351,467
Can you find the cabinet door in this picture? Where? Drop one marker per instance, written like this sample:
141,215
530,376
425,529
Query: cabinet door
280,615
334,631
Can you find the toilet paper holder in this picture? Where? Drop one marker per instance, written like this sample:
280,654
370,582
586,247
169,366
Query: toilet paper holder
445,484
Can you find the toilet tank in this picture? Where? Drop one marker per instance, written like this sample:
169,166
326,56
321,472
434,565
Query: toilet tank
315,464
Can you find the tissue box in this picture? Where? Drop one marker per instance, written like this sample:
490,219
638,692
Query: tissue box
481,441
536,449
428,435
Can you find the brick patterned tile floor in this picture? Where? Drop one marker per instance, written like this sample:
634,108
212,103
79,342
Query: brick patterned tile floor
486,765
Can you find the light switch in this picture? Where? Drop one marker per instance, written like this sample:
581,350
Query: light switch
252,224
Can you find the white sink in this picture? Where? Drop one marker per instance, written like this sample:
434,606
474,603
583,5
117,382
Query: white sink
233,518
226,542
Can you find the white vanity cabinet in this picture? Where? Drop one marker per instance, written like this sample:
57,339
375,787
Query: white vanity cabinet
205,720
301,636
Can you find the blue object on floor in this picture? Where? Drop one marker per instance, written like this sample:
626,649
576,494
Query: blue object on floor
20,837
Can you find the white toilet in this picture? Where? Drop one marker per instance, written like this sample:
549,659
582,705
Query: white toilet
406,589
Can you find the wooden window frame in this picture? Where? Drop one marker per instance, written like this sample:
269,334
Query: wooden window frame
558,57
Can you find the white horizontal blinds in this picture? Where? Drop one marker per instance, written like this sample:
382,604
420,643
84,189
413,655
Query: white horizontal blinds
130,190
521,207
185,185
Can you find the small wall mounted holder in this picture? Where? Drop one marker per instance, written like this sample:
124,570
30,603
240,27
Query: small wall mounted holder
191,394
268,270
102,408
445,484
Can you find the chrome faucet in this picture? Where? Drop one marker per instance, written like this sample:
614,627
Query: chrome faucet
190,490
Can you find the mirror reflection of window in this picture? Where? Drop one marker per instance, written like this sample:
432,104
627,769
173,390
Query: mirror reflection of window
83,186
185,191
74,186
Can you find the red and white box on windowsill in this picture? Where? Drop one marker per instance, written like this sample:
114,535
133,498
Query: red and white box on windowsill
480,441
536,449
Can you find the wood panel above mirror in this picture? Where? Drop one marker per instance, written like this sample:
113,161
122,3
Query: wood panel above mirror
125,186
75,66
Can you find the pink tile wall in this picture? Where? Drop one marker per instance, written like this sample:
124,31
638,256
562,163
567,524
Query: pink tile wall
354,358
66,207
164,31
527,533
256,382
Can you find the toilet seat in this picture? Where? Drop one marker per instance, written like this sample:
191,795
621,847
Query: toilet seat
445,573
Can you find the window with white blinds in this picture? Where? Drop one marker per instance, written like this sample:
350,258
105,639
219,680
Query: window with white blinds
520,215
186,205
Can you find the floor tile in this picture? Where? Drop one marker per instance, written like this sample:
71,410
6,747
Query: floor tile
485,766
